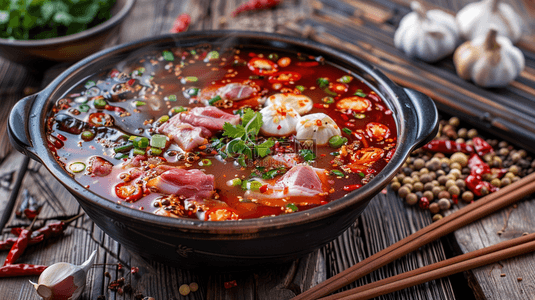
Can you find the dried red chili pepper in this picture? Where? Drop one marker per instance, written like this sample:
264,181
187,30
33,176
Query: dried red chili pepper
481,146
448,147
181,23
18,247
48,231
21,270
478,186
252,5
477,165
8,243
230,284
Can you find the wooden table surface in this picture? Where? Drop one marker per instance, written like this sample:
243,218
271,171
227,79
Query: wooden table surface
386,220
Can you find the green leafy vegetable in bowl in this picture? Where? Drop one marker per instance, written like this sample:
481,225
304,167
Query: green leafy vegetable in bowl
42,19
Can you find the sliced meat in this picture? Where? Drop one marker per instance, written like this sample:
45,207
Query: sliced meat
236,91
301,184
100,167
182,182
209,117
185,135
280,160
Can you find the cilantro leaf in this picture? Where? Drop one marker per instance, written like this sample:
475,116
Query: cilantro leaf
233,131
307,154
252,121
263,149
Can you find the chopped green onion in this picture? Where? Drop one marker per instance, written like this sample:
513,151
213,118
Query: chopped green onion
141,142
87,135
214,100
337,173
155,151
132,137
213,55
360,93
139,152
192,91
328,100
361,174
334,153
345,79
177,109
359,116
163,119
89,84
292,206
100,103
329,92
158,141
139,103
171,98
77,167
120,155
83,108
337,141
205,162
256,77
322,82
168,55
347,130
300,88
81,99
191,79
193,52
123,148
273,56
254,185
234,182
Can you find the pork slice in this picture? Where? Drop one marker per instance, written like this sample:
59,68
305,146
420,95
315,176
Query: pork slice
100,167
236,91
182,182
209,117
185,135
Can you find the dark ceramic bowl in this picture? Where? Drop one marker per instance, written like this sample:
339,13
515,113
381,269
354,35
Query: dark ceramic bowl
234,244
66,48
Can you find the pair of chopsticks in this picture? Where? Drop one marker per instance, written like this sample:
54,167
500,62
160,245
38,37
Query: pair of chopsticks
466,215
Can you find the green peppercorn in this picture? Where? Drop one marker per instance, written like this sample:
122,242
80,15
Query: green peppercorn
434,208
437,217
496,182
467,196
444,204
411,199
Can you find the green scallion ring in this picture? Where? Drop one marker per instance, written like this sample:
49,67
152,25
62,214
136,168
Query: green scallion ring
77,167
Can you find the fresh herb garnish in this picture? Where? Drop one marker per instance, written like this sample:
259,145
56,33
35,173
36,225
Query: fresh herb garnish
274,173
307,155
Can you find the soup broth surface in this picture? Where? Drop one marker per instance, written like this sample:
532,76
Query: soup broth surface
222,134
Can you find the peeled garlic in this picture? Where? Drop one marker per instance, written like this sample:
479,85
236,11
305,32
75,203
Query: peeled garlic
279,119
318,126
63,280
301,103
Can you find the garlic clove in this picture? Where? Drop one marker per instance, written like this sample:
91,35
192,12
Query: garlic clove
63,280
301,103
318,126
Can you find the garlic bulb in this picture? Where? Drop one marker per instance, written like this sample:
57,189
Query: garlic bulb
301,103
279,119
427,35
490,61
476,19
63,280
318,126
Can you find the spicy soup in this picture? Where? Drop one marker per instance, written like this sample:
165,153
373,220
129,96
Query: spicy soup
222,134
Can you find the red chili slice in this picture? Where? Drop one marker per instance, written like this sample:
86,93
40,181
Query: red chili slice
262,66
284,77
128,191
221,214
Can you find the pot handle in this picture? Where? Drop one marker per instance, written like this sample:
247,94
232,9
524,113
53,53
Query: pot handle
427,116
17,126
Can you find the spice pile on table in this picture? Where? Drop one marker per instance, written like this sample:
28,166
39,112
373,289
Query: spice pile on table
458,165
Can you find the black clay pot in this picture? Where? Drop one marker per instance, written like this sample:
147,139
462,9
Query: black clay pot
231,244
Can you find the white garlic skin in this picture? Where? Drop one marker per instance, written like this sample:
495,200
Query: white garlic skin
301,103
428,35
494,67
63,280
319,127
279,119
476,19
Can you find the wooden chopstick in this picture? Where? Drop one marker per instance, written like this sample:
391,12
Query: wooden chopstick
472,212
474,259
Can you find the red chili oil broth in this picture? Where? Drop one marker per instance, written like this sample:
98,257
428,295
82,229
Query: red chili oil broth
162,84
